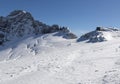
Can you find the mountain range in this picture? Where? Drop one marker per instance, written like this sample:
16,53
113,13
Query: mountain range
32,52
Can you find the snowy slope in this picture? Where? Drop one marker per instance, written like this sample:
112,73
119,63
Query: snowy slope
50,59
32,52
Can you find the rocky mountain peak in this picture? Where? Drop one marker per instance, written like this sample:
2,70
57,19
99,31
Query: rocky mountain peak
100,34
18,13
20,23
19,16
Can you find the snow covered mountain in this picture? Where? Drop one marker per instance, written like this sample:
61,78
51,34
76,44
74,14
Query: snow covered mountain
43,54
21,23
100,34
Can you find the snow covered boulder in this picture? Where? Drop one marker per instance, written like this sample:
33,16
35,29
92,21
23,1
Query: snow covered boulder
99,35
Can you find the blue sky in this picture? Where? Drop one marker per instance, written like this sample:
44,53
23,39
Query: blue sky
79,15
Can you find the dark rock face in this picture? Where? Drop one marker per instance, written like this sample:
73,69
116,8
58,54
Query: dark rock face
20,23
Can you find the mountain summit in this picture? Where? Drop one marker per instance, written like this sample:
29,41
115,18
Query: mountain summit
20,23
100,34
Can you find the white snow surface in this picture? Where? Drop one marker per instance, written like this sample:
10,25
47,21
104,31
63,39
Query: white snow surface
49,59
